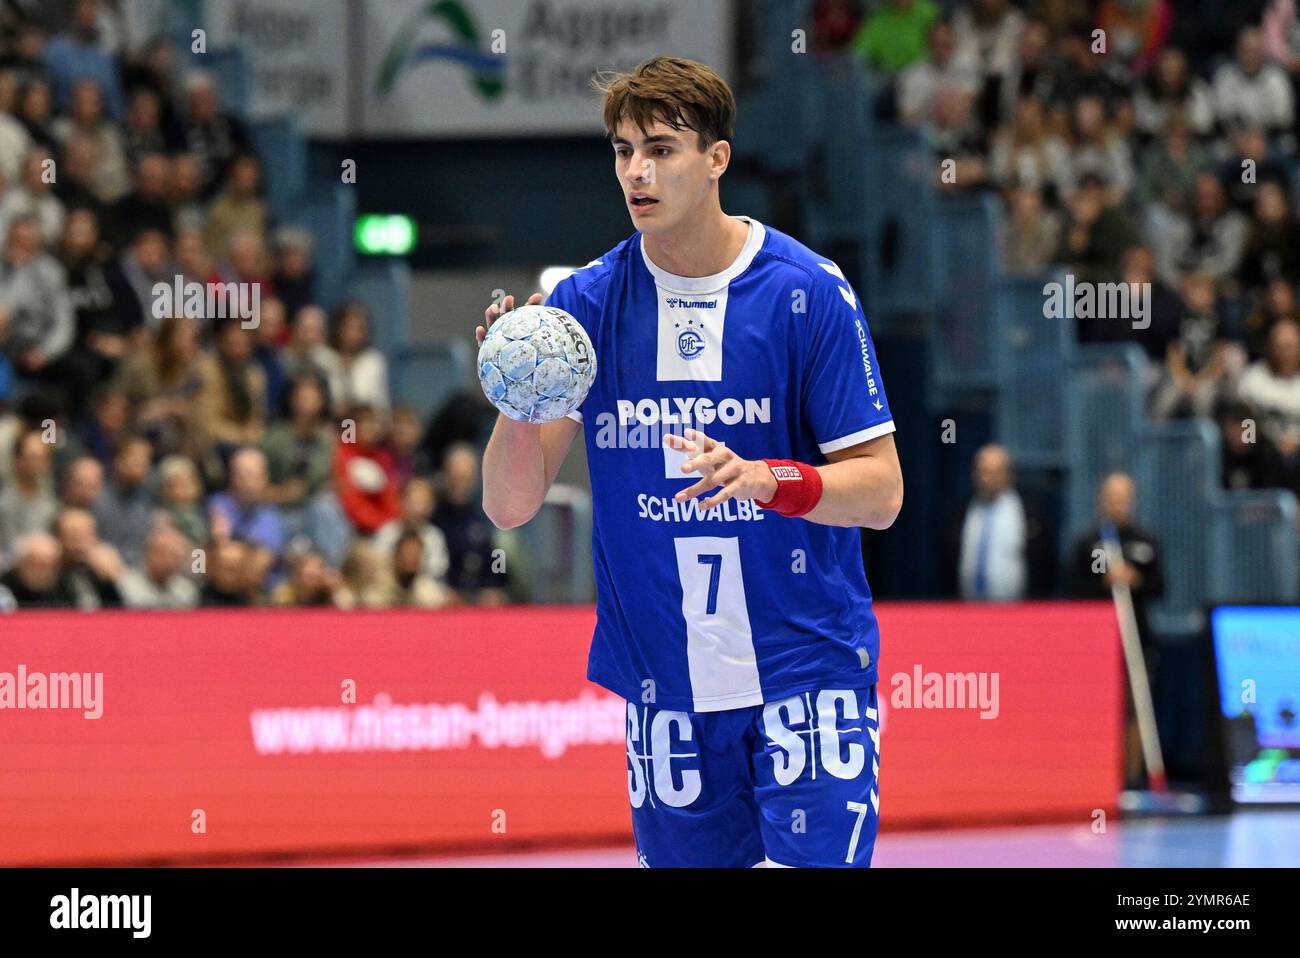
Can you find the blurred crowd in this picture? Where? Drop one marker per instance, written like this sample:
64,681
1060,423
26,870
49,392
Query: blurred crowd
154,455
1130,141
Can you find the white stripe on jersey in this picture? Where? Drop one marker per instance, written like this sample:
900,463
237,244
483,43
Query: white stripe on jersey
720,656
863,435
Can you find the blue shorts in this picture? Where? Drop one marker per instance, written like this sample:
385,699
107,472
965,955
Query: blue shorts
790,783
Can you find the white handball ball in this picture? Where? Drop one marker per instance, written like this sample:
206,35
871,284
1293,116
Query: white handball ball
536,364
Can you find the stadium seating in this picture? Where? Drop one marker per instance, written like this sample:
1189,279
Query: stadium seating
1104,409
1056,404
901,269
283,150
1032,368
839,208
425,374
964,336
328,212
384,285
557,544
1177,475
1252,555
785,90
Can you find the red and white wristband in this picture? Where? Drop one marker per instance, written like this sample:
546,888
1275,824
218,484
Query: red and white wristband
798,488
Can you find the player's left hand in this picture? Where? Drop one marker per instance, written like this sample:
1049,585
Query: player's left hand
719,466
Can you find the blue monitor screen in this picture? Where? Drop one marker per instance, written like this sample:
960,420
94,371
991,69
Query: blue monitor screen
1257,652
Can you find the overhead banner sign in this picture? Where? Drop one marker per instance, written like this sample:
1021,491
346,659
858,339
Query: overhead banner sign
506,67
443,68
297,56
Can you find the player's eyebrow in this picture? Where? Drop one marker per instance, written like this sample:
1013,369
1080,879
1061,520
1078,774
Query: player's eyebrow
657,138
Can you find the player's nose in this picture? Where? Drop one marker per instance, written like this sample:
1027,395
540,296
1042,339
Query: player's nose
637,172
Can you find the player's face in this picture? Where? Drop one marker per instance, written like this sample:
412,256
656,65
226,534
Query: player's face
665,176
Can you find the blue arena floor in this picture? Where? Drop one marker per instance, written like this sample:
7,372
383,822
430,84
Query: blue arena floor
1253,838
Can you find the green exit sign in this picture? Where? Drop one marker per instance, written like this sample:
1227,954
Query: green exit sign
384,234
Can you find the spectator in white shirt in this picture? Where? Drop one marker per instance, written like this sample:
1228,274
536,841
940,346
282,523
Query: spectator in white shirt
1271,387
988,31
28,504
1172,88
1250,91
418,503
1028,233
308,350
14,141
998,545
34,196
1025,153
86,116
361,376
1210,238
40,322
1097,147
920,83
160,581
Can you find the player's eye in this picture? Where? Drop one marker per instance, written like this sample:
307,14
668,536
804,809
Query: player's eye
662,151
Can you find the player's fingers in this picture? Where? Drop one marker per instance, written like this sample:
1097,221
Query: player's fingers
728,473
479,333
678,443
722,495
715,460
535,299
706,443
701,464
704,485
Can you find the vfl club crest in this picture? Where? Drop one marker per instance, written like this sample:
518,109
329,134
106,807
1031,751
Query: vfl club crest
690,341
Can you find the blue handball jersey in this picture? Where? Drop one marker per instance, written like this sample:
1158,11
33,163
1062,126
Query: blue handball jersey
735,606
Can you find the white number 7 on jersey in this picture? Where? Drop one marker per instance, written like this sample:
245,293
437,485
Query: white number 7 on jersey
861,809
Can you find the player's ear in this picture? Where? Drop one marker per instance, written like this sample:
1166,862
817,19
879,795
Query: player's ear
719,158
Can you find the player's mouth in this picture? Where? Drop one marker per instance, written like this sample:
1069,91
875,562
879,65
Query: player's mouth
641,201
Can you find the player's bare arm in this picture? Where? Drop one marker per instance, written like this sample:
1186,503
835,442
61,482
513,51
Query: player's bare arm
521,459
862,485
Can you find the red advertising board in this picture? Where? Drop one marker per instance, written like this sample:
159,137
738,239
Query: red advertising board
1052,749
211,734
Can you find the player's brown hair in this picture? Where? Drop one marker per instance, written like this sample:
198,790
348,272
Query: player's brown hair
683,94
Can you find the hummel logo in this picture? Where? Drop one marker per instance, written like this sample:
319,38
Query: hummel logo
844,290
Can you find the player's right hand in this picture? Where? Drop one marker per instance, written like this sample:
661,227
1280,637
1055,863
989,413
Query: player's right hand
495,312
